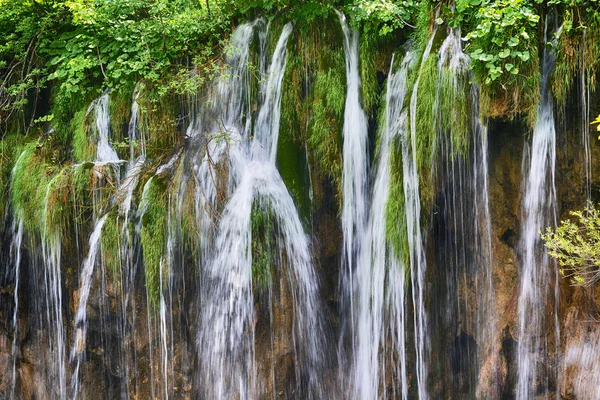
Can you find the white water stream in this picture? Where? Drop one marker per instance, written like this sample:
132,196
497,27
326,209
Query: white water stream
537,274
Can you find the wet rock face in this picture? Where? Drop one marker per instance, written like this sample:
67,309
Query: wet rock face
455,345
498,374
5,363
505,153
580,364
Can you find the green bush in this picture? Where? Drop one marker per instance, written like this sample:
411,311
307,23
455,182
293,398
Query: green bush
576,246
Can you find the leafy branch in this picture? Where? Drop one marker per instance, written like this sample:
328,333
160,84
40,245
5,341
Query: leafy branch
576,246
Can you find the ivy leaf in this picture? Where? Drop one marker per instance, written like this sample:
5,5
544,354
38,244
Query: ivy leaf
513,41
504,53
512,69
498,41
523,55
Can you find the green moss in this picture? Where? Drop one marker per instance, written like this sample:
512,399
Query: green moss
426,123
291,156
154,235
369,49
263,243
110,244
30,178
83,180
49,197
64,108
84,143
7,160
454,110
158,115
422,33
291,163
185,212
325,124
119,108
293,111
576,54
58,205
312,107
396,229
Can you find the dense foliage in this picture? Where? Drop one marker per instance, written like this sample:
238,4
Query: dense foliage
87,46
56,56
79,47
576,246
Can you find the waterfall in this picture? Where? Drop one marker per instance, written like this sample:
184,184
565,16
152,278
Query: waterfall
173,262
584,97
226,335
486,300
536,272
267,125
44,255
87,271
415,241
135,164
377,264
16,234
582,359
105,153
219,128
354,181
124,197
462,315
231,309
51,247
15,258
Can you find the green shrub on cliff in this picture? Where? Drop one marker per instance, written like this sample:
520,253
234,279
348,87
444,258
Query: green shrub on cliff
154,235
575,244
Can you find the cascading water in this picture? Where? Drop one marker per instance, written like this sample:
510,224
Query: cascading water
377,264
536,273
51,252
584,97
45,257
485,294
105,153
221,124
582,359
226,337
137,159
16,233
462,309
267,125
87,270
354,186
415,241
198,278
15,257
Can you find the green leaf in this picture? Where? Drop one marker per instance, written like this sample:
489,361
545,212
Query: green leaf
523,55
513,41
